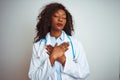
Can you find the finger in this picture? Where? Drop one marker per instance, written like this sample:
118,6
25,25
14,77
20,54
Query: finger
48,53
66,49
63,44
67,43
51,47
48,45
47,49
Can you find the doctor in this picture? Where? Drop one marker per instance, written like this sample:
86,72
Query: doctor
56,54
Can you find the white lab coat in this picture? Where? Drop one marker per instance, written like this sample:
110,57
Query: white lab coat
74,69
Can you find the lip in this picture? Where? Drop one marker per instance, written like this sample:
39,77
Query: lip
59,24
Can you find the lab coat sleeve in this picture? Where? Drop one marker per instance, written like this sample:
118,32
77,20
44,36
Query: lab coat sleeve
77,68
40,67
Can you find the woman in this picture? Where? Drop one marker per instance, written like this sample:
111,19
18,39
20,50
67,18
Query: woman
56,54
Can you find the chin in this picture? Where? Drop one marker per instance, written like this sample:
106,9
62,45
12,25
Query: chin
60,28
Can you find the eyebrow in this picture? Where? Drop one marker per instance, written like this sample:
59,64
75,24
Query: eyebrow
58,13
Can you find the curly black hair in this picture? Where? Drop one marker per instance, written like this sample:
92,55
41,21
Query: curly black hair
44,20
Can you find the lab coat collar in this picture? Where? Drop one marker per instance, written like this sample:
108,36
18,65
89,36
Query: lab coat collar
62,37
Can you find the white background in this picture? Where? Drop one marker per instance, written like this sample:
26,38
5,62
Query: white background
97,25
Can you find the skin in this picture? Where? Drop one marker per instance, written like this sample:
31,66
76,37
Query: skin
56,53
59,17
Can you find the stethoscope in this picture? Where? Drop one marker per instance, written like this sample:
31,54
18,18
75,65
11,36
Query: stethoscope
45,41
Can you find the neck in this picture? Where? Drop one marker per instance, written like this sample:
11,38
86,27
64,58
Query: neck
55,34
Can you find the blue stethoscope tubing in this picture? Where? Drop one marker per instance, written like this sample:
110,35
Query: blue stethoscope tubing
73,53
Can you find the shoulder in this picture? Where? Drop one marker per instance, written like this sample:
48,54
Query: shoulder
41,42
76,41
38,47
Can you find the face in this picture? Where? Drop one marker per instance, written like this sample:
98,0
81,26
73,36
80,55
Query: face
58,20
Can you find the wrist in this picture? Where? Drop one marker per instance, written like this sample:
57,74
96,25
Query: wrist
52,60
64,60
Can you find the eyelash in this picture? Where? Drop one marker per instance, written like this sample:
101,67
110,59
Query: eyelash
58,16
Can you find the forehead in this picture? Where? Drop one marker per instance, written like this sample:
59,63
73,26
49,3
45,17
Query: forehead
60,12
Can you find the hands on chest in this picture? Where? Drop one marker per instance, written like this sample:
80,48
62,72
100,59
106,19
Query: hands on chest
57,53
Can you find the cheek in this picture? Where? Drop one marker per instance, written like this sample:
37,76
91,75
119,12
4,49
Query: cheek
53,22
65,21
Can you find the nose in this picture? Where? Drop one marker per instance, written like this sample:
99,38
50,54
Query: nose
60,19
